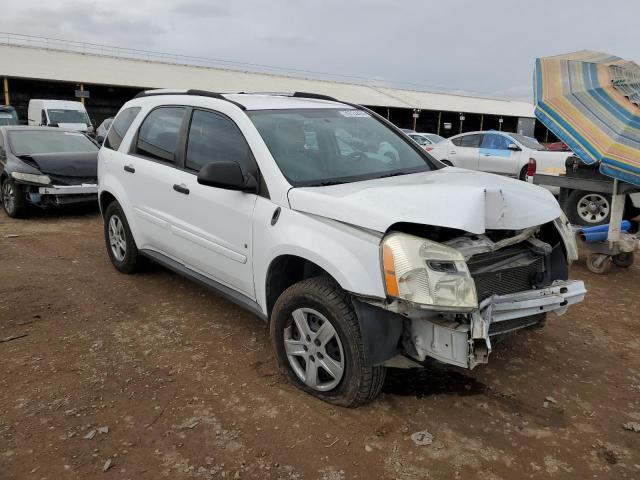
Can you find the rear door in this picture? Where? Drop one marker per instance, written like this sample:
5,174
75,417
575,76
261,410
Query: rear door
211,227
495,156
151,169
465,151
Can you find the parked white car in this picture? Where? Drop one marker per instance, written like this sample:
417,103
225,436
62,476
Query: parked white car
503,153
357,261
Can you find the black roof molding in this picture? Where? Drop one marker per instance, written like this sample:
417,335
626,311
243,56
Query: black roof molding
316,96
194,92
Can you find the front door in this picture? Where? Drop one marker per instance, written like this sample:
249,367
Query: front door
496,157
212,227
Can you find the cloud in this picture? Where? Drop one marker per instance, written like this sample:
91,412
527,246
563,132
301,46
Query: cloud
459,45
289,40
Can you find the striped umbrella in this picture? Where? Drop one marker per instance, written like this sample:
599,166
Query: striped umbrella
591,101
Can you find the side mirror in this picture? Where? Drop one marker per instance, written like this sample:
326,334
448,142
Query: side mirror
513,147
227,175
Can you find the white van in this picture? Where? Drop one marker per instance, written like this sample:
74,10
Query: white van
59,113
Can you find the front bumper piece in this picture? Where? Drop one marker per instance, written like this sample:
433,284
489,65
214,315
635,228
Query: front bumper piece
84,189
469,344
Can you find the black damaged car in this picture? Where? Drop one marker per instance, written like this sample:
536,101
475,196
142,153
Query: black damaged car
46,167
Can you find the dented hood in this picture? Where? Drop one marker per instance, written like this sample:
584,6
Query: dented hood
450,197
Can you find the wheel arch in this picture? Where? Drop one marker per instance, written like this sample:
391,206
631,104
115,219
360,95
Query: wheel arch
286,270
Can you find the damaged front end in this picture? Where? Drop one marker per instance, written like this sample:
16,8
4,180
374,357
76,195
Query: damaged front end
448,299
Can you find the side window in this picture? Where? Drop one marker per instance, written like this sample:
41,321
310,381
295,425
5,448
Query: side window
214,138
494,141
471,141
120,126
457,141
43,118
159,133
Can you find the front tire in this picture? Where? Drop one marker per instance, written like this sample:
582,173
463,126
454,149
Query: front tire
13,199
119,241
318,344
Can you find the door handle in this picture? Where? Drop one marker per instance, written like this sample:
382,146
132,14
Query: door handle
486,154
181,189
452,153
129,168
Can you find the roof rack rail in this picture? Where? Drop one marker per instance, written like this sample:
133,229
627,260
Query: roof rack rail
316,96
195,92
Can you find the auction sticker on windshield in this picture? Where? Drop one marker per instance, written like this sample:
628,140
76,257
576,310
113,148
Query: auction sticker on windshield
354,114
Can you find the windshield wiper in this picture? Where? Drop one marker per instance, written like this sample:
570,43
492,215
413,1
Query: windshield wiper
394,174
328,183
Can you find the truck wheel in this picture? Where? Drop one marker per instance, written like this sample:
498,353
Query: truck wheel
624,260
121,247
318,345
588,208
13,199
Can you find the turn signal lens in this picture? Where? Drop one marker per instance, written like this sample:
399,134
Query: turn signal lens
531,167
390,272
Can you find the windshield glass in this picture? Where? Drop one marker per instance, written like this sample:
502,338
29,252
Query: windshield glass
529,142
33,142
315,147
420,139
433,137
8,117
67,116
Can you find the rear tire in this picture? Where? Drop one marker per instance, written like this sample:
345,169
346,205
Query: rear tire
13,199
119,241
523,173
316,301
588,208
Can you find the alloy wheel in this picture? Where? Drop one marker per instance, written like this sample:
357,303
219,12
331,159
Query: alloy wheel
117,238
593,208
314,350
8,196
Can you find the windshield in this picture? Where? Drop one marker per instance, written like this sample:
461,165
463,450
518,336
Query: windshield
529,142
68,116
8,117
33,142
433,137
315,147
420,139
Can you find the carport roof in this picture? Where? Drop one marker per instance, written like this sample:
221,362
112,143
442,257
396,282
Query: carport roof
69,66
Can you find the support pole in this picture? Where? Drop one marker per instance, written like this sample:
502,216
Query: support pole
388,114
5,90
82,90
481,121
617,210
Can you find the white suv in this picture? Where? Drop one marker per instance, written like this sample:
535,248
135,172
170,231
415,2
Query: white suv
357,259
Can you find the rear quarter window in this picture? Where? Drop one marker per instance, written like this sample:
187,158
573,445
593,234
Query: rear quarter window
120,127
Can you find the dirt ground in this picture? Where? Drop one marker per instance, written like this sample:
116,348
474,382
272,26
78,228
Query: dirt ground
188,387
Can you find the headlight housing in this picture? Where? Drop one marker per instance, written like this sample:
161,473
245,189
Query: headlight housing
427,273
568,237
31,177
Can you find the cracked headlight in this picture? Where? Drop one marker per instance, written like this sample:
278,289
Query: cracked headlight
31,177
568,237
427,273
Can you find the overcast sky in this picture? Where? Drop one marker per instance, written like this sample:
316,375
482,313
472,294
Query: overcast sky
458,45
